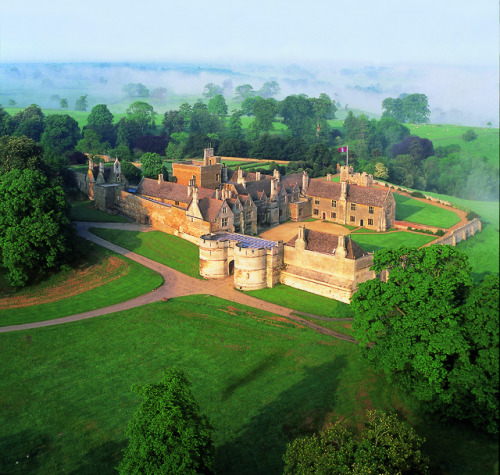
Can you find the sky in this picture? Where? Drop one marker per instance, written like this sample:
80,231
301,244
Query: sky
440,32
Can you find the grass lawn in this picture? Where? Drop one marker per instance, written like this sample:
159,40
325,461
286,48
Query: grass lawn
374,242
262,380
105,279
170,250
304,301
86,211
409,209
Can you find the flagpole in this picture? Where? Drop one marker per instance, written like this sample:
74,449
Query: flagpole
347,156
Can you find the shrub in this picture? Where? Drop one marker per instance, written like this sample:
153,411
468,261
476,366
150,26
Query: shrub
472,215
469,135
417,194
440,232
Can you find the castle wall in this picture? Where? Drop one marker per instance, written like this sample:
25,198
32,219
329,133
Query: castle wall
250,268
461,234
207,176
322,274
213,258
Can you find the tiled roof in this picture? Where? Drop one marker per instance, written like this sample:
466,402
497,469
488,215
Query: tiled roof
325,243
365,195
171,191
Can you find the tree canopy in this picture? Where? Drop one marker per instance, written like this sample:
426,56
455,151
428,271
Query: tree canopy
411,108
61,133
420,328
168,434
152,165
142,113
385,445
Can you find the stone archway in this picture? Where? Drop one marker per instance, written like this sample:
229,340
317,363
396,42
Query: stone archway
231,267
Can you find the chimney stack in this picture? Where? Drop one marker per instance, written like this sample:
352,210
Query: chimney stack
257,176
160,178
300,242
276,175
341,251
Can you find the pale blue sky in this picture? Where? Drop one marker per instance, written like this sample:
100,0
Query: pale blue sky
218,31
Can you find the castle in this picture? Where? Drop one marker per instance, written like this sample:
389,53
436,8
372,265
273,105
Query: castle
218,209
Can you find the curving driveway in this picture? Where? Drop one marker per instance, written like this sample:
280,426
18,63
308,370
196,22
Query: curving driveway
175,284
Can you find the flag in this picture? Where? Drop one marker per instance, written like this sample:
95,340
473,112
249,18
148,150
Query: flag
342,149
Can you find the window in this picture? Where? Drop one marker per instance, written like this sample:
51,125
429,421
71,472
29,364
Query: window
370,209
176,203
370,222
224,209
353,206
333,215
223,222
352,218
316,211
300,211
316,201
334,203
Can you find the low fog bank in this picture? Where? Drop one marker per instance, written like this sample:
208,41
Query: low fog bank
457,94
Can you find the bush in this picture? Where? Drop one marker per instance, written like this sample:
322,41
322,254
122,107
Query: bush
472,215
440,232
469,135
417,194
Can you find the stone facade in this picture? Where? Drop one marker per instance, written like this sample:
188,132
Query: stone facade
320,263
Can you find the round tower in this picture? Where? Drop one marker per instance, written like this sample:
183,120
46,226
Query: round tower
250,268
213,257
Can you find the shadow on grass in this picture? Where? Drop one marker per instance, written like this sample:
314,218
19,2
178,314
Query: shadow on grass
298,411
20,452
101,460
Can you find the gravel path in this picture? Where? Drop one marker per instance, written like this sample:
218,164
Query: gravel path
176,284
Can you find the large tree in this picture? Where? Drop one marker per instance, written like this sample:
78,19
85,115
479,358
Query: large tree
168,433
29,122
412,108
298,115
264,111
19,152
152,165
61,133
432,332
81,103
217,106
385,445
100,120
143,113
35,229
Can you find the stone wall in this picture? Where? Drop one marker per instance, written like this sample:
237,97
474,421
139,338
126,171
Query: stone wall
208,176
331,276
461,234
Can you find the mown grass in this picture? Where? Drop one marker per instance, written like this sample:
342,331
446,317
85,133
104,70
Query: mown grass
86,211
172,251
304,301
415,211
263,381
130,280
375,242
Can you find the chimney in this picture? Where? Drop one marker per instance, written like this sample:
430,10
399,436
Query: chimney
273,187
341,251
195,194
190,187
305,182
241,179
343,190
101,167
257,176
91,163
160,178
276,175
224,173
217,194
300,242
329,177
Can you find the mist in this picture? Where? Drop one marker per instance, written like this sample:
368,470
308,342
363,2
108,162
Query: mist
457,94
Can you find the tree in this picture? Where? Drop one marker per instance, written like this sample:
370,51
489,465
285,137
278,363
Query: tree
421,329
298,115
81,103
412,108
269,89
385,445
101,120
243,91
142,113
127,130
35,229
135,90
29,122
211,90
63,103
264,111
159,94
5,122
91,143
168,434
381,171
217,106
152,165
61,134
131,172
20,153
469,135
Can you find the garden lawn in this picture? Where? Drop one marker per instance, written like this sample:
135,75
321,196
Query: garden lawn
304,302
374,242
172,251
421,212
106,280
262,380
86,211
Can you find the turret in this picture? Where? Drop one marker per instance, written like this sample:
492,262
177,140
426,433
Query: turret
300,242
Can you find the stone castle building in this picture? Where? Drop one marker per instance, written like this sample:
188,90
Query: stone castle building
217,209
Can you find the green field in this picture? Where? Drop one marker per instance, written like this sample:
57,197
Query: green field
170,250
415,211
374,242
304,302
262,381
131,280
86,211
